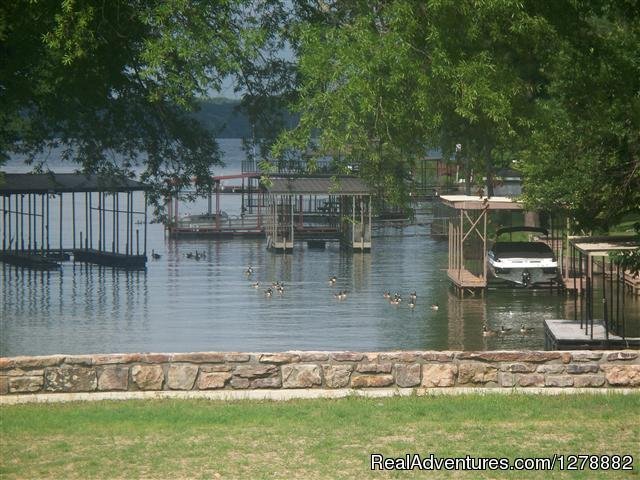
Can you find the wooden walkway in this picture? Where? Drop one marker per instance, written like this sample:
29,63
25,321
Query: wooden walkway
464,278
567,335
631,284
248,226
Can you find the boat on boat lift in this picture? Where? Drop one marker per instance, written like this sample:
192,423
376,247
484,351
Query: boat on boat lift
524,263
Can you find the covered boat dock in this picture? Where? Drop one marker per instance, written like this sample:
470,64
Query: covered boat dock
49,217
337,208
600,289
467,267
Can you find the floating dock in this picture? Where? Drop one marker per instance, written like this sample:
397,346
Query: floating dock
109,259
572,335
44,220
35,261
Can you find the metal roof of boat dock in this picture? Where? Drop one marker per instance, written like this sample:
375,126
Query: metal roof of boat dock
473,202
319,186
25,183
601,246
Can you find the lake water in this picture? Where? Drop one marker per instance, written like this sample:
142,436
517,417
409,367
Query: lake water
180,304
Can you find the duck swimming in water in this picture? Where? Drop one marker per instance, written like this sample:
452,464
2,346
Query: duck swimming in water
249,270
332,280
256,285
486,332
503,330
155,255
268,292
525,330
434,306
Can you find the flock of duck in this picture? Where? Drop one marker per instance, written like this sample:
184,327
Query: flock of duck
487,332
193,255
396,299
279,288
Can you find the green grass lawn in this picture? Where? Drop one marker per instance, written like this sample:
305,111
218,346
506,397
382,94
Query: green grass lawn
310,438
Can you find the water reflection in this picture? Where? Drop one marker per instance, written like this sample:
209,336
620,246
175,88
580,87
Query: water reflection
180,304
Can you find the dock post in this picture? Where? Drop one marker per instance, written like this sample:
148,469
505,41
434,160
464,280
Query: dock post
582,293
29,223
100,213
137,241
60,225
90,222
9,222
131,222
104,221
145,223
48,226
590,283
117,196
113,222
73,217
22,223
618,299
86,223
575,289
4,223
126,244
611,292
35,224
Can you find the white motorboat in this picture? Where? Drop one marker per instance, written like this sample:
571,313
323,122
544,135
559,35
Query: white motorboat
523,263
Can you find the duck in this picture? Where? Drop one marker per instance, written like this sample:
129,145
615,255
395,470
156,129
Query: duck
387,294
188,255
412,304
503,330
249,270
268,292
155,255
332,280
256,285
524,329
341,295
413,296
434,306
486,332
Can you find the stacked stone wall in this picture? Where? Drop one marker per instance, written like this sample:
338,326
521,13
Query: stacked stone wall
317,370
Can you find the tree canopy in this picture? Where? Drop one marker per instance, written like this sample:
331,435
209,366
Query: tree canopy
550,86
114,83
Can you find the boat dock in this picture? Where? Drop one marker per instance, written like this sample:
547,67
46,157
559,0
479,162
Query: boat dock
573,335
468,243
103,222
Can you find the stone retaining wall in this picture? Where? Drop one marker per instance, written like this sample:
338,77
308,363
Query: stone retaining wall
328,370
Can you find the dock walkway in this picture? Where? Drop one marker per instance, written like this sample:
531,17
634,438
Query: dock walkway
568,335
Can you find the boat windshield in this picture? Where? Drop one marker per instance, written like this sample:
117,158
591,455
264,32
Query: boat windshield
522,250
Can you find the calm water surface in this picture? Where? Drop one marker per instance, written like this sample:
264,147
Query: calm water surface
181,304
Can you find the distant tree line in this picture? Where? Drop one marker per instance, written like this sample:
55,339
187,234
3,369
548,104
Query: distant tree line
225,118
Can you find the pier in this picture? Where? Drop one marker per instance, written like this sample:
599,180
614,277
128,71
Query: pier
103,211
468,243
340,209
599,293
215,223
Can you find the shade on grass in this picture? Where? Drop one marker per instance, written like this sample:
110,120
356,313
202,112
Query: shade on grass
309,438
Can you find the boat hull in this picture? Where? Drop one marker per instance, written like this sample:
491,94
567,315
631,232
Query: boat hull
523,263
